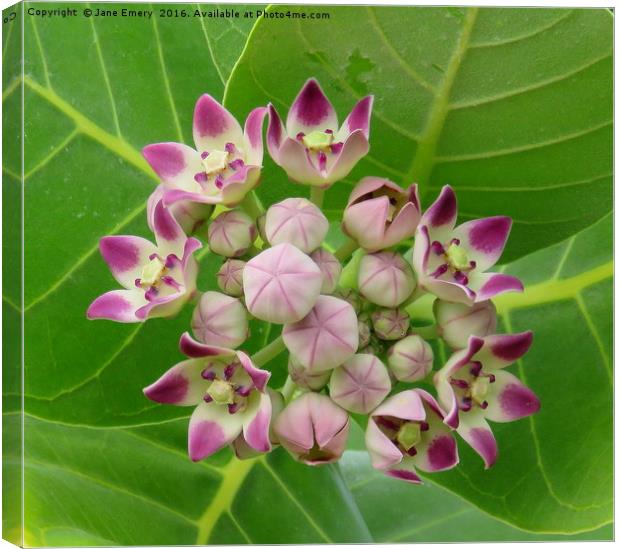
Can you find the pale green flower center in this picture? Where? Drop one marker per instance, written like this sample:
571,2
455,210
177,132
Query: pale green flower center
221,392
480,388
216,162
151,272
457,258
318,141
409,435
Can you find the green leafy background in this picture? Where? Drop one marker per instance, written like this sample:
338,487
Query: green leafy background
510,106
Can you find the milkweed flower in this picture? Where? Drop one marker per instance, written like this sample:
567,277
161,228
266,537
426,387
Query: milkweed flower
407,432
158,278
312,149
473,387
452,262
229,393
313,429
225,165
380,214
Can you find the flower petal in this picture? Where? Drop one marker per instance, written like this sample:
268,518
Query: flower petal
253,134
449,291
441,215
474,430
117,305
176,164
365,222
211,428
181,385
310,111
355,147
126,256
259,377
383,453
293,158
276,134
168,233
214,126
488,285
484,239
164,306
256,422
510,399
358,119
404,405
239,184
194,349
500,351
405,470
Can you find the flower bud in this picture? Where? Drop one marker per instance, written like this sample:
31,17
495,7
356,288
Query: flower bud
324,338
390,323
330,269
380,214
220,320
360,384
456,321
231,233
385,279
351,297
313,429
296,221
305,378
230,277
363,330
410,359
281,284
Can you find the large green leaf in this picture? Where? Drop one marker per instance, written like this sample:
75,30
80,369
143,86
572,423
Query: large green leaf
510,106
104,465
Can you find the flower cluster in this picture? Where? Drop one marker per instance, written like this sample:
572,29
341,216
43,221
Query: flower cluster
346,315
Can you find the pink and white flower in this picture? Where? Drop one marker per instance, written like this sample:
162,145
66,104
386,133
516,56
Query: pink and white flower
225,165
380,214
406,433
473,387
313,429
312,149
452,262
157,279
229,393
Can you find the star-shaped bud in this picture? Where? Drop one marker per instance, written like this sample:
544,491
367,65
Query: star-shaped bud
385,279
410,359
220,320
390,324
231,233
230,277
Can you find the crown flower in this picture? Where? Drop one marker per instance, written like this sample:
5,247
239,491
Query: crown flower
312,148
360,308
224,166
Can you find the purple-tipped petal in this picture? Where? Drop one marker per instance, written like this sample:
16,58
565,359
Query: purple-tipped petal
275,133
404,405
311,111
259,377
294,159
253,133
117,305
383,453
438,454
500,351
360,384
175,164
358,119
191,215
257,422
181,385
281,284
210,429
484,239
214,126
474,430
240,183
126,256
194,349
168,233
325,337
440,217
354,149
489,285
510,399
